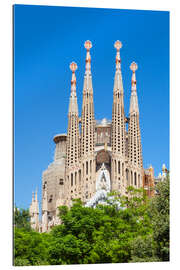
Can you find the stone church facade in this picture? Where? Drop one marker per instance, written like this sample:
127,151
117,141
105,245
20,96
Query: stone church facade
94,157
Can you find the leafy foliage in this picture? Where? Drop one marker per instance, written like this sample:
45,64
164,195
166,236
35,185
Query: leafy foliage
137,232
22,219
30,247
160,220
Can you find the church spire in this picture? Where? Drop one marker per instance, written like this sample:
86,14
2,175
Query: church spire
118,85
34,212
134,108
88,106
134,138
88,128
118,138
33,196
72,145
73,107
88,78
36,196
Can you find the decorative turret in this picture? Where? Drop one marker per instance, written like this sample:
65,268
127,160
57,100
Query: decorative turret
88,78
134,137
73,107
118,85
164,171
34,212
73,148
88,127
134,108
45,212
73,124
118,138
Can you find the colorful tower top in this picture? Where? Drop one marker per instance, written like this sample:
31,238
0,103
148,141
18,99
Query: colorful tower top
134,108
133,67
118,85
118,46
73,68
88,46
73,108
88,79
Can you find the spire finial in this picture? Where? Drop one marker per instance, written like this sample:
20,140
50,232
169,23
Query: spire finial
32,196
133,67
134,101
73,68
118,46
36,195
88,46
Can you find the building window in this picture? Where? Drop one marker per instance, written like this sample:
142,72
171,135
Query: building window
122,169
75,177
127,175
119,167
86,167
115,166
131,178
61,181
71,179
50,199
135,180
79,176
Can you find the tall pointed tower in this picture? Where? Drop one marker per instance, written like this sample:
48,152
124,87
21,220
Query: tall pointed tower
87,131
118,139
134,137
34,212
72,149
45,212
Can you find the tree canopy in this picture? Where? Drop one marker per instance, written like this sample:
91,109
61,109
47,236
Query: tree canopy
22,218
136,232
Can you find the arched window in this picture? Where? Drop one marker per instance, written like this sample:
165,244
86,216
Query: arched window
127,175
135,180
79,176
61,181
115,166
71,179
131,178
119,167
75,177
122,169
86,167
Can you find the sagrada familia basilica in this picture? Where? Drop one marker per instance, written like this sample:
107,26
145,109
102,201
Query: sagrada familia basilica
94,157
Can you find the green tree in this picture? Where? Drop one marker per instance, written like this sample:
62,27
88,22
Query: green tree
30,247
155,246
138,231
22,219
100,235
160,219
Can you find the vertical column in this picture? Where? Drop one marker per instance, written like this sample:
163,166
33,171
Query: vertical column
88,130
118,127
134,137
72,149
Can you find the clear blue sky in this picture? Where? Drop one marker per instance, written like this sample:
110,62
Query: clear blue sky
46,41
